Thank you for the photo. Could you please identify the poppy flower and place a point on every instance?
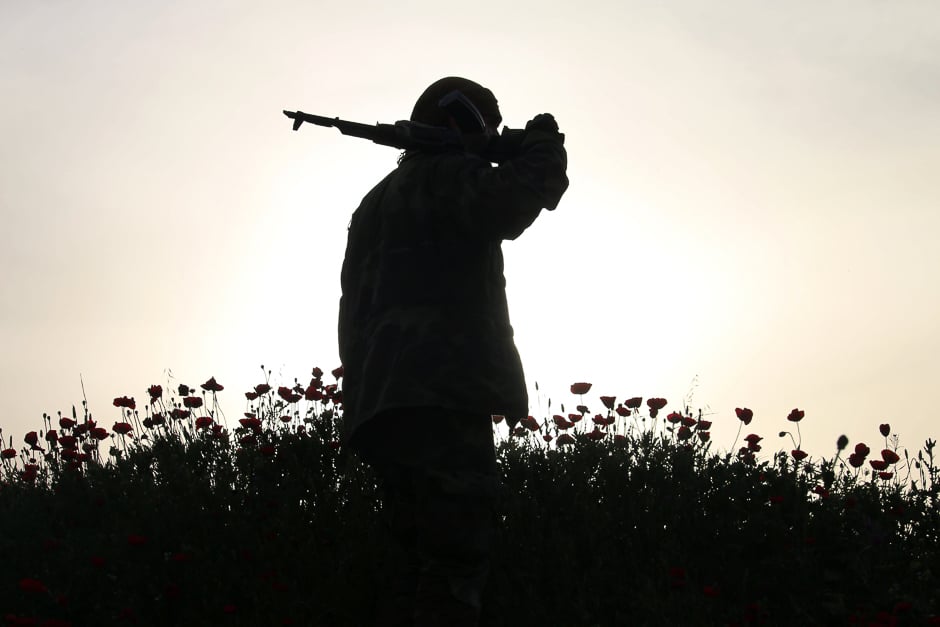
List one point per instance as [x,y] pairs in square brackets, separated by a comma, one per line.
[262,388]
[530,423]
[622,411]
[580,388]
[745,415]
[885,429]
[609,401]
[338,372]
[674,417]
[634,403]
[68,441]
[561,422]
[179,414]
[99,433]
[28,584]
[8,453]
[547,438]
[582,408]
[704,436]
[796,415]
[313,393]
[155,392]
[656,403]
[575,417]
[620,439]
[192,402]
[704,425]
[878,464]
[519,431]
[753,438]
[122,428]
[288,394]
[689,421]
[158,419]
[885,475]
[798,455]
[126,402]
[597,434]
[599,419]
[52,436]
[212,386]
[316,373]
[203,422]
[821,491]
[66,423]
[183,389]
[890,456]
[497,418]
[684,433]
[861,450]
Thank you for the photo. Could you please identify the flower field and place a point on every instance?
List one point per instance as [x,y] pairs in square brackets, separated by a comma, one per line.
[621,512]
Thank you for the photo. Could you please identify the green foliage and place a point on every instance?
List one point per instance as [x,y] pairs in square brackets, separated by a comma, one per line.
[636,522]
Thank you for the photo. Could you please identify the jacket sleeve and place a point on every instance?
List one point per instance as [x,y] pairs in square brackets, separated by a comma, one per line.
[500,202]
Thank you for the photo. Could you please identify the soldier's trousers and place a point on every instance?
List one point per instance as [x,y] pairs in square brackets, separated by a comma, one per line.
[439,482]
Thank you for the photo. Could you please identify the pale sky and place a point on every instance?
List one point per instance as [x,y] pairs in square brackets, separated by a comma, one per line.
[754,198]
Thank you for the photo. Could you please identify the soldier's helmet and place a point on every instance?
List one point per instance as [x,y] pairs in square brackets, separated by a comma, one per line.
[428,111]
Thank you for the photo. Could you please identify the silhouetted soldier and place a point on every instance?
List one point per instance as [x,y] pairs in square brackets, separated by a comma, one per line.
[428,350]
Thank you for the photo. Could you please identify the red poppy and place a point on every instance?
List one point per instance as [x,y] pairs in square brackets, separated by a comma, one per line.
[316,373]
[620,438]
[158,419]
[313,393]
[599,419]
[674,417]
[251,423]
[126,402]
[247,440]
[338,372]
[31,438]
[890,456]
[52,436]
[704,436]
[28,584]
[861,450]
[609,401]
[878,464]
[597,434]
[192,402]
[745,415]
[689,421]
[251,395]
[288,394]
[519,431]
[122,428]
[704,425]
[498,418]
[656,403]
[885,429]
[753,438]
[262,389]
[547,438]
[885,475]
[68,441]
[203,422]
[183,389]
[821,491]
[179,414]
[285,418]
[634,403]
[580,388]
[796,415]
[582,408]
[622,411]
[561,422]
[155,392]
[798,455]
[212,385]
[99,433]
[530,423]
[684,433]
[66,423]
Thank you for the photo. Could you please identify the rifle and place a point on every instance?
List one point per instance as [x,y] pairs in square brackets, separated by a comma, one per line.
[408,135]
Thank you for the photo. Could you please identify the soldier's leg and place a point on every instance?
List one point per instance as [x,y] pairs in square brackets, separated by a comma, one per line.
[455,521]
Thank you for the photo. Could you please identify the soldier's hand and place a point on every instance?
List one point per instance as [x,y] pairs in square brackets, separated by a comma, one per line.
[542,122]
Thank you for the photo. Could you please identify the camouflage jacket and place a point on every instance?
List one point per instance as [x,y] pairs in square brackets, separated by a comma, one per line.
[423,319]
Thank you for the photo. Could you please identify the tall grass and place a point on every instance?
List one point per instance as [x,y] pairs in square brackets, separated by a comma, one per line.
[618,517]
